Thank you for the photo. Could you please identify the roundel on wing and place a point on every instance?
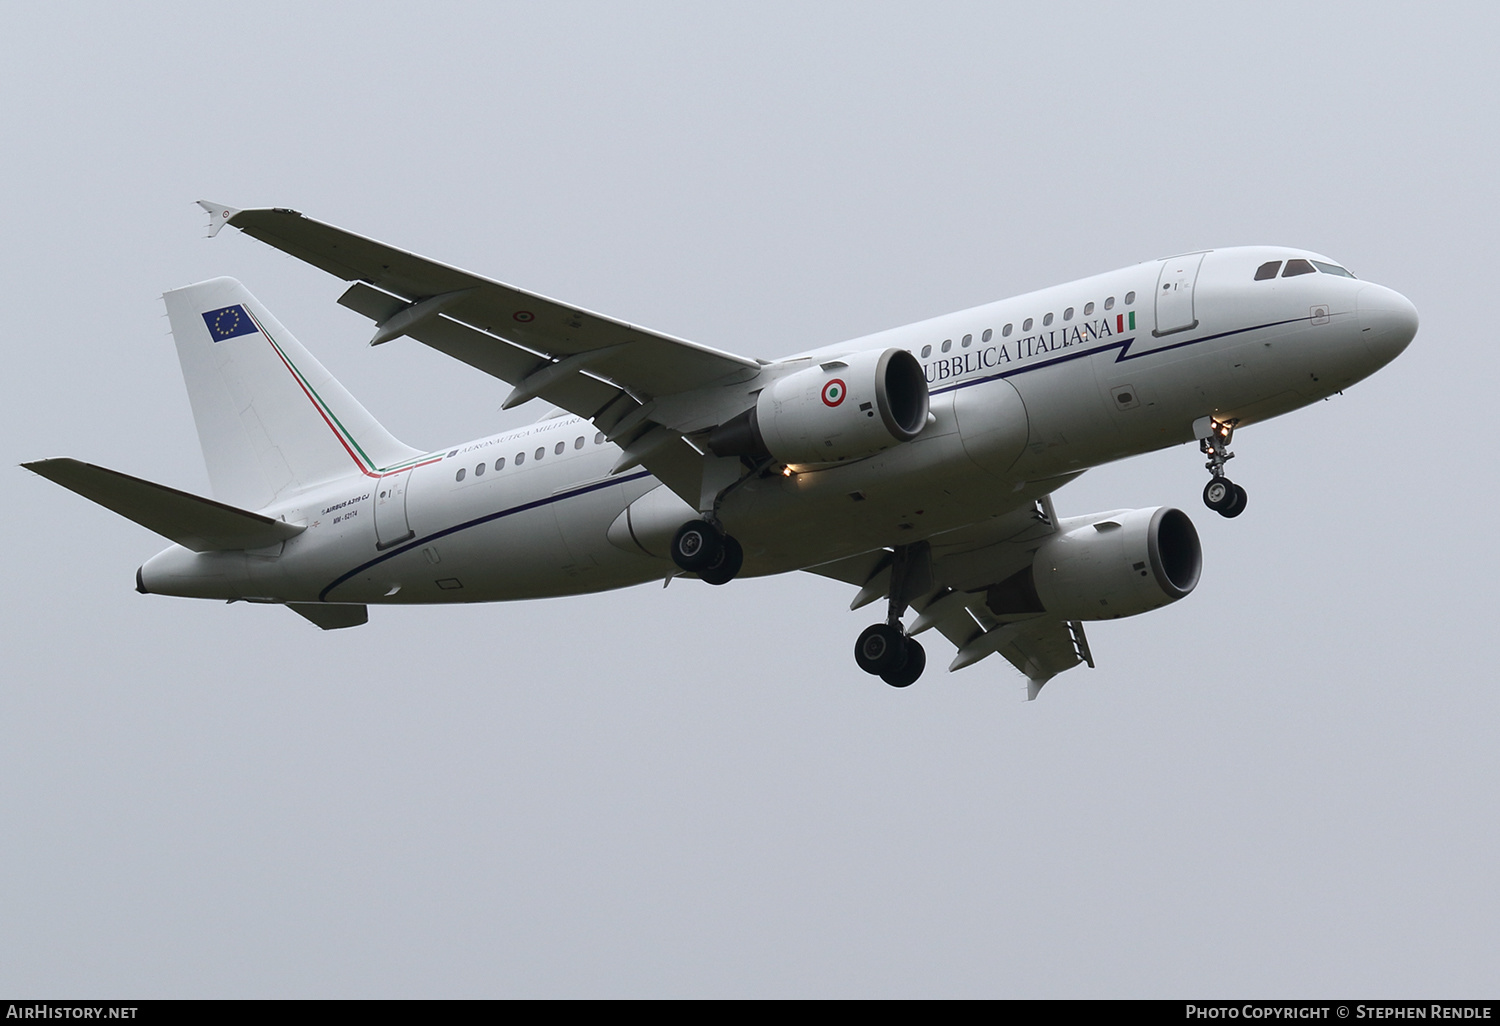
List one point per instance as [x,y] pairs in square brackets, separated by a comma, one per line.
[833,392]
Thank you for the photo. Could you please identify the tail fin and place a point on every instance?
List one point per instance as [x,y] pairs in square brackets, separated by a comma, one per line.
[272,421]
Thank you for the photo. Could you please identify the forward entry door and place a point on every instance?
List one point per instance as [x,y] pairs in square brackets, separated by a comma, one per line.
[1174,294]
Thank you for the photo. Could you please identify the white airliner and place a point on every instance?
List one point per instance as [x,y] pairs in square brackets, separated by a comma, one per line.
[915,464]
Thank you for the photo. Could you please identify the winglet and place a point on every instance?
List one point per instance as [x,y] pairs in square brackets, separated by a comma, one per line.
[218,215]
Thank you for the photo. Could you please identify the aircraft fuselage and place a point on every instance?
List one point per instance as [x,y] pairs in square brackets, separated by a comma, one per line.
[1025,393]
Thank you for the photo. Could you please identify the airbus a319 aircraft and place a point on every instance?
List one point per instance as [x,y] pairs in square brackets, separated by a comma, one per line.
[915,464]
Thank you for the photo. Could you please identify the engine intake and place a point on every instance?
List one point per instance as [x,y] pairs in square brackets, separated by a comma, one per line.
[837,410]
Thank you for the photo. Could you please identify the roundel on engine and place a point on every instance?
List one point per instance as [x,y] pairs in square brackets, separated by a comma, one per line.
[842,409]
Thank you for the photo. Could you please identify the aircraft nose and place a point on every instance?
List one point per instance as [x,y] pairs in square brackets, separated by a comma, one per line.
[1387,321]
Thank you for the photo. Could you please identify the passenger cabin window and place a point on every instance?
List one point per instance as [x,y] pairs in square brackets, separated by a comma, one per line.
[968,340]
[1296,267]
[1068,314]
[1026,324]
[1267,270]
[557,450]
[500,463]
[947,344]
[1129,298]
[479,470]
[520,458]
[1047,321]
[989,333]
[1005,331]
[1109,304]
[578,442]
[599,438]
[1331,269]
[926,352]
[460,475]
[1088,309]
[540,452]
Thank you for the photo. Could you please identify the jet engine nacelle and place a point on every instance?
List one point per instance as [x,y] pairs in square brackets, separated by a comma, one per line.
[1116,564]
[836,410]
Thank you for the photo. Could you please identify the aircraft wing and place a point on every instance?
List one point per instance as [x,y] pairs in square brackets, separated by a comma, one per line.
[644,389]
[964,565]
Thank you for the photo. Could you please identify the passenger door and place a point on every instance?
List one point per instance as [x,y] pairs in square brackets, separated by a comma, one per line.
[1174,294]
[391,525]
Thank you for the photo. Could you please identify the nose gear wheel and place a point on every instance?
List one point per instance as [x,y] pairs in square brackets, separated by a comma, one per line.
[1221,495]
[1224,497]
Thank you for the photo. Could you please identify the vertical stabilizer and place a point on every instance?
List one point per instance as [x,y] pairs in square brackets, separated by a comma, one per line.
[272,421]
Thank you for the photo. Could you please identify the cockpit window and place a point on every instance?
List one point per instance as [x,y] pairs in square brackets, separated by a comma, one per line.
[1267,270]
[1296,267]
[1332,269]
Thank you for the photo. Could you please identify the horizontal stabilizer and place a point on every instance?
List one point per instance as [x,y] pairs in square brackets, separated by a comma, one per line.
[331,617]
[189,520]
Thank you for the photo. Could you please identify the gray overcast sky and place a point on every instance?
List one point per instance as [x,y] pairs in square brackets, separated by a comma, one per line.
[1283,785]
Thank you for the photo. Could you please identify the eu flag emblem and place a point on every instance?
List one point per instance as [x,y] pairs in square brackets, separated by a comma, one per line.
[229,322]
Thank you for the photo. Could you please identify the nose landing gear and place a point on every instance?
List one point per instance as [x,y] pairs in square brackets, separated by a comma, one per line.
[884,649]
[1221,495]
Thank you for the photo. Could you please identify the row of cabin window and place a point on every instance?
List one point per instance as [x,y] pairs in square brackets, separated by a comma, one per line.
[989,333]
[1267,270]
[541,451]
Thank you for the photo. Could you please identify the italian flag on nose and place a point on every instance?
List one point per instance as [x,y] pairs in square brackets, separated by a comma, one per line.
[1120,322]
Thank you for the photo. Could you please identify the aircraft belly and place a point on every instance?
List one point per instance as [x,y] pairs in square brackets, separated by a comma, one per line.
[905,494]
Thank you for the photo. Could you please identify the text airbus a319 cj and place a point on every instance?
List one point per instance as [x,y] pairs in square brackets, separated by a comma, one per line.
[915,464]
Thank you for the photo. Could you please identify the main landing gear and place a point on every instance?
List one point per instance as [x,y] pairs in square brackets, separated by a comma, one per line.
[702,548]
[884,649]
[1221,495]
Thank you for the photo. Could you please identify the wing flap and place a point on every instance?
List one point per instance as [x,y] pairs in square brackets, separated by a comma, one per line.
[191,521]
[576,392]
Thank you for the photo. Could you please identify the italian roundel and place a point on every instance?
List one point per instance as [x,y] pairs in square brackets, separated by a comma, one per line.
[833,392]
